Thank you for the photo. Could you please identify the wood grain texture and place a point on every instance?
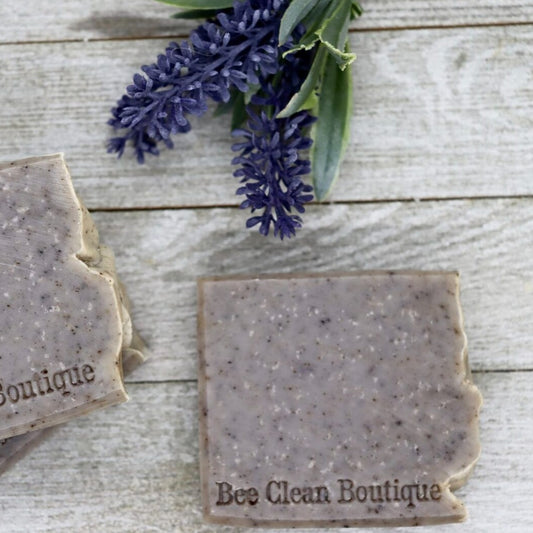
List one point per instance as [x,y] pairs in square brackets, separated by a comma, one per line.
[99,19]
[437,113]
[441,113]
[134,468]
[161,253]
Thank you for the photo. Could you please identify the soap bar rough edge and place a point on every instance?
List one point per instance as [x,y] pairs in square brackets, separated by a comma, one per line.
[451,484]
[99,260]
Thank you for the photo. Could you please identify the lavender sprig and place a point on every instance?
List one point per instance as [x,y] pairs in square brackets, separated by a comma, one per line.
[232,51]
[270,162]
[271,170]
[294,55]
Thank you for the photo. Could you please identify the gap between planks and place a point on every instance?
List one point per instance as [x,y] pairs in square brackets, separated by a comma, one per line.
[370,29]
[171,207]
[420,128]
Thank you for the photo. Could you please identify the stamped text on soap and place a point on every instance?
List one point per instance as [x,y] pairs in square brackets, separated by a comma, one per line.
[347,491]
[44,382]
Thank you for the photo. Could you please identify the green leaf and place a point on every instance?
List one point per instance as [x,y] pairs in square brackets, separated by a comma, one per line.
[334,33]
[357,10]
[199,4]
[296,11]
[335,29]
[313,22]
[235,105]
[302,99]
[239,111]
[252,90]
[332,129]
[343,59]
[307,42]
[195,14]
[311,102]
[224,108]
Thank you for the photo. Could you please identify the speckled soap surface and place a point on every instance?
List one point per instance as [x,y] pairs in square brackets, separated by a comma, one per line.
[63,319]
[334,400]
[15,448]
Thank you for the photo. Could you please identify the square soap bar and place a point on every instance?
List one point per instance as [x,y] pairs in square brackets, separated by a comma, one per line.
[64,323]
[334,400]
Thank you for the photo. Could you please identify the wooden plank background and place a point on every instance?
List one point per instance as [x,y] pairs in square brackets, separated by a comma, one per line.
[438,113]
[72,20]
[438,175]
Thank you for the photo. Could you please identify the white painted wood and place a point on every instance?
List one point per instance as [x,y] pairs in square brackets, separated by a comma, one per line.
[134,468]
[437,113]
[26,21]
[161,253]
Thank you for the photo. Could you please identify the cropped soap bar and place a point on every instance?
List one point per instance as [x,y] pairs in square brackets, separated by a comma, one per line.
[64,324]
[334,400]
[15,448]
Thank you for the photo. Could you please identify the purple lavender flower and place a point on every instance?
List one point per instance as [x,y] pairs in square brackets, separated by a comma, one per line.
[231,52]
[270,164]
[222,57]
[271,170]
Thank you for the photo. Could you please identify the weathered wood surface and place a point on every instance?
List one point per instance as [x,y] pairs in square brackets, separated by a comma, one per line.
[134,468]
[26,21]
[161,253]
[443,113]
[437,113]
